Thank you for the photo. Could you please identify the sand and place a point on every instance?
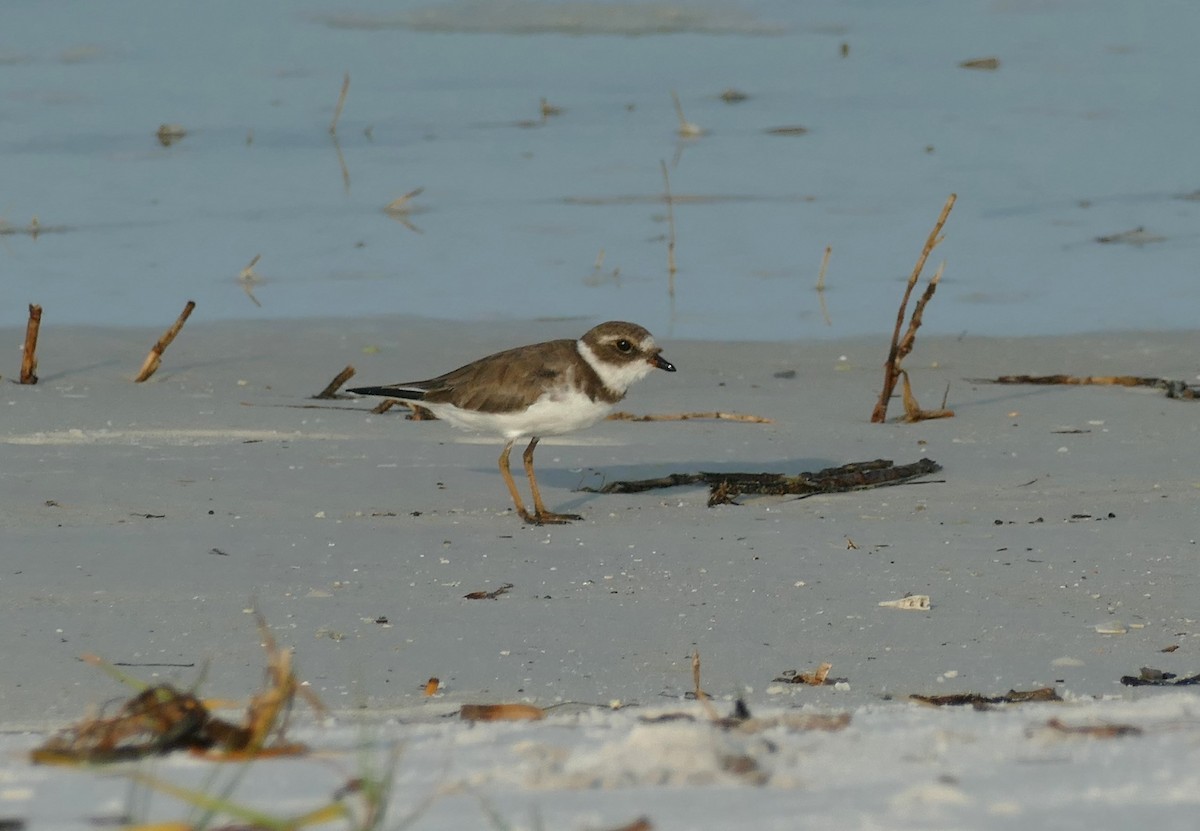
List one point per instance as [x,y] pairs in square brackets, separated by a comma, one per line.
[142,522]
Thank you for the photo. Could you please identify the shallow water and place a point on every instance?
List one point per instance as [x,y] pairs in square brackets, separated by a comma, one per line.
[1079,134]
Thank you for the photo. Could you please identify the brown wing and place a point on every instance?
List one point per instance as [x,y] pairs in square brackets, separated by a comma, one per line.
[504,382]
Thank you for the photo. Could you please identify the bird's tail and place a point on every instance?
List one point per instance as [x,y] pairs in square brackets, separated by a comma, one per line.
[405,393]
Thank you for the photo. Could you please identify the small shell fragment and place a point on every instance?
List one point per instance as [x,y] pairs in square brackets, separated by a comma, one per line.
[1112,627]
[920,602]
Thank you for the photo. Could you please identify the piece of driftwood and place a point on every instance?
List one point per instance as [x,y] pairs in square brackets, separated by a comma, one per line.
[1174,389]
[979,700]
[724,487]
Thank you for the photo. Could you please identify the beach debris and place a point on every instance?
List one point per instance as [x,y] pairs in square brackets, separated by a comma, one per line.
[1138,236]
[980,701]
[723,487]
[1173,389]
[915,602]
[168,134]
[161,719]
[989,63]
[745,418]
[792,130]
[1112,627]
[902,346]
[486,595]
[1091,731]
[248,279]
[154,359]
[549,110]
[29,350]
[1170,648]
[432,686]
[331,389]
[341,102]
[733,96]
[817,678]
[501,712]
[1151,677]
[687,130]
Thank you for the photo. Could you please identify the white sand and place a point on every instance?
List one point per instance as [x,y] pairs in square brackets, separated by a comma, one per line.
[139,523]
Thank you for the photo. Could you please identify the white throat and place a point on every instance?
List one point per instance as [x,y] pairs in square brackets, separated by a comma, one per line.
[617,377]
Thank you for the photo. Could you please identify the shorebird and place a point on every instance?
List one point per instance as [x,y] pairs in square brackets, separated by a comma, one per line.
[544,389]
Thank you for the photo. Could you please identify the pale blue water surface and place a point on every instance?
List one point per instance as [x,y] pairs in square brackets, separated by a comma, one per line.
[1087,129]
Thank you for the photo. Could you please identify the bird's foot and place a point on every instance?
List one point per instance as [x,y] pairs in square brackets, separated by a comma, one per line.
[549,518]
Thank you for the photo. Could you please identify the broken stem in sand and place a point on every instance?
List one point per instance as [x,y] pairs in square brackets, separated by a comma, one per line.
[670,232]
[902,346]
[154,359]
[29,353]
[333,386]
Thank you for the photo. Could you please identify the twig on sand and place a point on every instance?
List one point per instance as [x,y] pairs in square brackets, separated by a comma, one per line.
[29,352]
[621,415]
[331,389]
[1173,389]
[901,347]
[154,359]
[725,487]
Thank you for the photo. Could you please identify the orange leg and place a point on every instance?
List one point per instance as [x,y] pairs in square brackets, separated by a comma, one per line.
[541,516]
[512,486]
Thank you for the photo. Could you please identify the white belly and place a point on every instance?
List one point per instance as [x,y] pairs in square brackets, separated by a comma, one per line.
[551,415]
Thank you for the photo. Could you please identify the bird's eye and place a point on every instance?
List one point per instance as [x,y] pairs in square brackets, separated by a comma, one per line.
[624,345]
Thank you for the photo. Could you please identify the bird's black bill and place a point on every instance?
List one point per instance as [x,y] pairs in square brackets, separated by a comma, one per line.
[663,363]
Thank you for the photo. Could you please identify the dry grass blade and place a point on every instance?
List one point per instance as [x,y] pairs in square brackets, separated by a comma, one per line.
[29,351]
[821,285]
[341,102]
[670,232]
[248,279]
[902,346]
[154,359]
[687,129]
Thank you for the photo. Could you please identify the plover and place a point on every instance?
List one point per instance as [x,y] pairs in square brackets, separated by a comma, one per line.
[544,389]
